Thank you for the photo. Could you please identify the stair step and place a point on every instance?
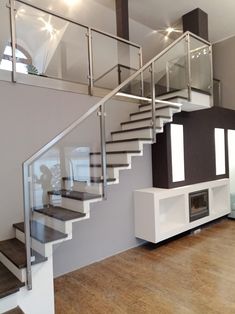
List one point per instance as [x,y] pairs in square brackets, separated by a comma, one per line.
[14,250]
[119,152]
[41,232]
[60,213]
[75,195]
[16,310]
[135,129]
[128,140]
[92,179]
[9,284]
[130,130]
[110,165]
[161,106]
[145,119]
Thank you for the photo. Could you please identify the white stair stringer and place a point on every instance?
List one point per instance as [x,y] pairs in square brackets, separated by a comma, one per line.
[72,204]
[59,225]
[8,303]
[44,249]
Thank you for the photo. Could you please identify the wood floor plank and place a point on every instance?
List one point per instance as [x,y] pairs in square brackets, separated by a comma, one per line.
[191,275]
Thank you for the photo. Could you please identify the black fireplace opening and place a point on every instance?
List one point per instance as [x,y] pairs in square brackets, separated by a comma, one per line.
[198,205]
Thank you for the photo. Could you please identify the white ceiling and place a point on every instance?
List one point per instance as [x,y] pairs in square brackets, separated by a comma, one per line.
[155,14]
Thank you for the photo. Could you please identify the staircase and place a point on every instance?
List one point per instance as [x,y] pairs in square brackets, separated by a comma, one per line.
[52,223]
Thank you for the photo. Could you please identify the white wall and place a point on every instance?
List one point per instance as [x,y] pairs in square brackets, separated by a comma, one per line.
[30,117]
[224,70]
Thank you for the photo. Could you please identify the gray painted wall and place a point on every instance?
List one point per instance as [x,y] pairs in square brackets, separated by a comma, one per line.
[224,70]
[111,226]
[30,117]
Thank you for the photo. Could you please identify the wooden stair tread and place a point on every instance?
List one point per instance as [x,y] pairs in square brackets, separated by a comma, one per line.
[146,111]
[135,129]
[16,310]
[109,165]
[128,140]
[92,179]
[41,232]
[60,213]
[145,119]
[79,196]
[161,106]
[118,152]
[14,250]
[9,284]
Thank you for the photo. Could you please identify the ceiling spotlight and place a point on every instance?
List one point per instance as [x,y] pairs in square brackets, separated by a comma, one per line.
[170,30]
[48,27]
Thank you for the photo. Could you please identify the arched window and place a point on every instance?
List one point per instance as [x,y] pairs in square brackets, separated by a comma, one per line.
[23,59]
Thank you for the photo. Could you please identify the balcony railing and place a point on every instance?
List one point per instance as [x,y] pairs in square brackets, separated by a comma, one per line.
[39,44]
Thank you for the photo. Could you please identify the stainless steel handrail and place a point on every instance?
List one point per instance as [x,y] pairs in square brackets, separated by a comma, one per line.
[98,106]
[106,98]
[79,24]
[111,69]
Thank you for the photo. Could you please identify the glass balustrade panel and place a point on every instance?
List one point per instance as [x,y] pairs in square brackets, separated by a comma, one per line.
[51,47]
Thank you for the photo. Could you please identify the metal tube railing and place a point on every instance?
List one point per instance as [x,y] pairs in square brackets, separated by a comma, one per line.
[189,67]
[102,115]
[98,106]
[77,23]
[152,70]
[13,39]
[102,101]
[90,62]
[119,66]
[90,30]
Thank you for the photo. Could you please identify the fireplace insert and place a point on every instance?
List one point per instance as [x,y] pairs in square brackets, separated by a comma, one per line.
[198,205]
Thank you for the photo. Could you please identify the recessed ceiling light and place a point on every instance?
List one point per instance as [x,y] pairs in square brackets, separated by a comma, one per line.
[170,30]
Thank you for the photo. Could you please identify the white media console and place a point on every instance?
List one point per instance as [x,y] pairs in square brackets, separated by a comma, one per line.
[164,213]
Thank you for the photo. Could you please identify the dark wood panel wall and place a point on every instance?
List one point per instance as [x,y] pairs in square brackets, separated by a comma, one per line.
[199,147]
[122,18]
[196,21]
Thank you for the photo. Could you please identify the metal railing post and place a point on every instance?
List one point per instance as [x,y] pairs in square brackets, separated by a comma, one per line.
[189,74]
[167,77]
[90,62]
[211,76]
[153,96]
[27,223]
[102,115]
[13,39]
[142,74]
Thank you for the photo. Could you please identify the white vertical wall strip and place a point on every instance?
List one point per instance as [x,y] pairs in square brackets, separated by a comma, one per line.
[177,152]
[219,151]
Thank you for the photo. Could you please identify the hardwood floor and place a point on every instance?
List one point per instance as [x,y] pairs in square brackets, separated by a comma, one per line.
[193,274]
